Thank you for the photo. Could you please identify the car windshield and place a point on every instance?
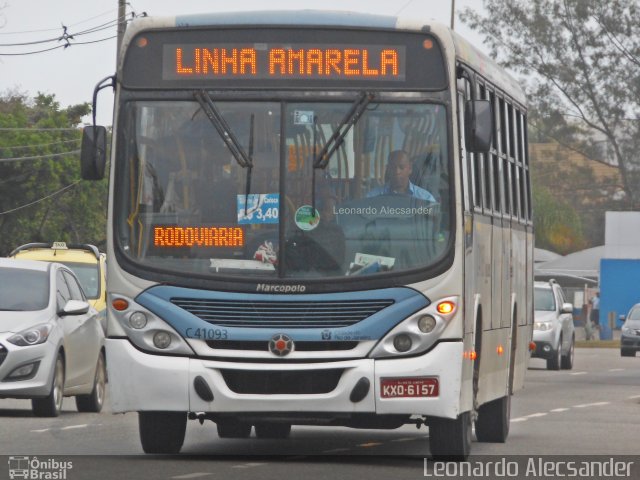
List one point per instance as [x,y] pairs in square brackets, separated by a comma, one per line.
[543,300]
[634,314]
[244,188]
[23,290]
[89,277]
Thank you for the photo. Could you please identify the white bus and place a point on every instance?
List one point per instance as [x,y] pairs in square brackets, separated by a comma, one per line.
[315,218]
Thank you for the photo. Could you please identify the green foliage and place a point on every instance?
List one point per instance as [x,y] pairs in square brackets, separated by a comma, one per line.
[30,208]
[558,226]
[580,63]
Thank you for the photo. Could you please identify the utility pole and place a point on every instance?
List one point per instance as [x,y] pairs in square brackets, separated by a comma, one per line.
[122,26]
[453,12]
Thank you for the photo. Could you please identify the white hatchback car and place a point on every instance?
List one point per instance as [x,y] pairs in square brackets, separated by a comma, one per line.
[51,341]
[553,329]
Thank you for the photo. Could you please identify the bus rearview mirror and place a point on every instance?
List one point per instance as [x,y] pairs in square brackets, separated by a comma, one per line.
[478,126]
[93,153]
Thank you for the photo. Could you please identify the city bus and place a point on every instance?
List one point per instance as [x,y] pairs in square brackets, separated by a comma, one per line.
[315,218]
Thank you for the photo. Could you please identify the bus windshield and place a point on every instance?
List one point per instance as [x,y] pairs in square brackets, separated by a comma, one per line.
[283,189]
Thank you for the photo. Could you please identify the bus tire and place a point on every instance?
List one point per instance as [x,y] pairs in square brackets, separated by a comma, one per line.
[450,439]
[492,424]
[233,428]
[94,401]
[273,430]
[162,432]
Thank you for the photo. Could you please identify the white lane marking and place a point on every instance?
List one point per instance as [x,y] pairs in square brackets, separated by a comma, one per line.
[521,419]
[534,415]
[406,439]
[597,404]
[578,373]
[193,475]
[560,410]
[336,450]
[40,431]
[616,369]
[248,465]
[71,427]
[633,397]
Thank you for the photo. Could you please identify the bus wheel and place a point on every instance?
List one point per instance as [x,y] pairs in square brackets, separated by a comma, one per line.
[492,424]
[162,432]
[273,430]
[233,428]
[450,439]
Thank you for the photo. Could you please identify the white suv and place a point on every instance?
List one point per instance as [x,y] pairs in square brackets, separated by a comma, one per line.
[553,330]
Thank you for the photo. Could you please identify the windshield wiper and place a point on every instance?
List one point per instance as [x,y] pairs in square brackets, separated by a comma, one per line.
[218,121]
[337,138]
[215,117]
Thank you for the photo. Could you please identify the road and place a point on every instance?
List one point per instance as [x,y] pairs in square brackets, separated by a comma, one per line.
[590,410]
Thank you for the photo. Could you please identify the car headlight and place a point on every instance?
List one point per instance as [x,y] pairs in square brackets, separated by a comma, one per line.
[145,329]
[542,326]
[32,336]
[419,332]
[628,331]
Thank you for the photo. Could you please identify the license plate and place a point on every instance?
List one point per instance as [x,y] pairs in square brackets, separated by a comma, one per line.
[409,387]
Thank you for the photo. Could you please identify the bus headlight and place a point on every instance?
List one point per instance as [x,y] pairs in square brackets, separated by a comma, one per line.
[162,339]
[417,333]
[402,342]
[147,331]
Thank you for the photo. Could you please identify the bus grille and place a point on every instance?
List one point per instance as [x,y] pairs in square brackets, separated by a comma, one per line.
[274,382]
[301,346]
[289,314]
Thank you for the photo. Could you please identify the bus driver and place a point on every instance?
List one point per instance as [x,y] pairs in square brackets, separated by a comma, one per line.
[397,179]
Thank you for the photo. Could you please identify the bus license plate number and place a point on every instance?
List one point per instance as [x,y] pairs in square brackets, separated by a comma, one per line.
[409,387]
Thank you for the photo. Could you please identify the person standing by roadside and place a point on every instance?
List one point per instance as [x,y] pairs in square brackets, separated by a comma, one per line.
[595,310]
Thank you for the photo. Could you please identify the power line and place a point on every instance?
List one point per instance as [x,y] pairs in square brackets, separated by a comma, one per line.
[54,29]
[54,48]
[37,129]
[41,199]
[39,157]
[38,145]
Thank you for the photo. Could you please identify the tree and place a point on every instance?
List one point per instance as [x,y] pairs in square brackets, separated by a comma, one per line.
[42,197]
[579,61]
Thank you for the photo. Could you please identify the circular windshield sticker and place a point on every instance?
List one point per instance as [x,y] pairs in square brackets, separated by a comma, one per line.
[304,218]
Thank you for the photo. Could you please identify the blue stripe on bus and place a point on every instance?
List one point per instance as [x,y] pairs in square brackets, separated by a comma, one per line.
[406,301]
[282,18]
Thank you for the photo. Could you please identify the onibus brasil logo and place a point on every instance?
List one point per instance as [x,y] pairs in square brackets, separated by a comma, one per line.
[35,469]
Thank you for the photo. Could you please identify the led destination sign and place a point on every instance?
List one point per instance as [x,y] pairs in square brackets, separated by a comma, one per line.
[280,58]
[299,61]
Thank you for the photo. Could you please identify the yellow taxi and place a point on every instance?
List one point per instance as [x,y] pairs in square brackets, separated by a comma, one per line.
[84,260]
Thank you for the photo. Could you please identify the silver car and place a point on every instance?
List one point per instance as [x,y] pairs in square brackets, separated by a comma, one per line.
[51,341]
[553,329]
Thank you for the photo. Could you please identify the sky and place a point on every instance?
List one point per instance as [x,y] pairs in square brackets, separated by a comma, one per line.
[72,73]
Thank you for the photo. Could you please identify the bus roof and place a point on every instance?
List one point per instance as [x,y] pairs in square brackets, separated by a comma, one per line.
[451,41]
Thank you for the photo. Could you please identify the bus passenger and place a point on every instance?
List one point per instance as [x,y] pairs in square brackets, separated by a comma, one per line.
[397,179]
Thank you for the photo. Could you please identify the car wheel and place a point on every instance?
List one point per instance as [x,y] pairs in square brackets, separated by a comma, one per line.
[95,400]
[51,405]
[567,360]
[553,363]
[162,432]
[233,428]
[492,424]
[273,430]
[450,439]
[624,352]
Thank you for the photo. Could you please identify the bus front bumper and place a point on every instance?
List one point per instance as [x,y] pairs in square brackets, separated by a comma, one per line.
[143,382]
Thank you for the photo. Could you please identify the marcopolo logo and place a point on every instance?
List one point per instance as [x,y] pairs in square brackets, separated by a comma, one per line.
[263,287]
[36,469]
